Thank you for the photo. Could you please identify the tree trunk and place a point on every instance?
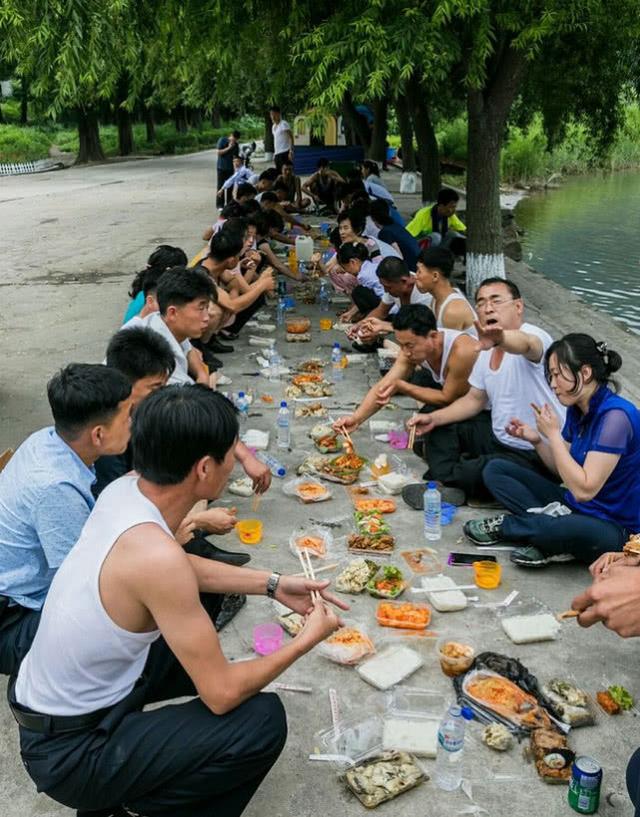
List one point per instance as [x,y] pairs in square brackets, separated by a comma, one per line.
[2,119]
[216,119]
[24,101]
[355,122]
[268,134]
[487,113]
[378,147]
[89,137]
[406,134]
[150,124]
[179,114]
[428,153]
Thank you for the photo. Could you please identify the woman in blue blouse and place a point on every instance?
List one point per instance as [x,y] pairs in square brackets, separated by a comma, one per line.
[596,456]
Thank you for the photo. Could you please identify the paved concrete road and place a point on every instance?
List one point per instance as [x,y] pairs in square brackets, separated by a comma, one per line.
[70,244]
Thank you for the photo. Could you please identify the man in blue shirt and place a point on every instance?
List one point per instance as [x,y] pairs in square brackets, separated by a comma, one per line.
[227,148]
[45,494]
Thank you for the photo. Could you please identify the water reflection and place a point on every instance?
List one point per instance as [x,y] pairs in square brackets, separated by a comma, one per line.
[585,237]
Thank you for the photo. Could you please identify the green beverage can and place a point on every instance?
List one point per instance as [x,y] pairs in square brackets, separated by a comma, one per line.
[584,788]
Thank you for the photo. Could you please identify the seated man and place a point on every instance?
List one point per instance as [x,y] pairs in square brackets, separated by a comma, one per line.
[433,277]
[439,224]
[45,494]
[240,175]
[392,233]
[448,356]
[507,377]
[294,187]
[184,296]
[128,622]
[162,258]
[272,200]
[245,193]
[399,290]
[366,290]
[322,185]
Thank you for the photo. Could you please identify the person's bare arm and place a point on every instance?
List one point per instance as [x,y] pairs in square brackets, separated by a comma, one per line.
[514,341]
[307,187]
[273,260]
[206,235]
[458,315]
[266,283]
[401,369]
[465,407]
[461,361]
[169,589]
[298,193]
[196,367]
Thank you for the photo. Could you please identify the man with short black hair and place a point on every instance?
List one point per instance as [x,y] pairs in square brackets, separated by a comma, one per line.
[439,224]
[433,277]
[128,623]
[227,149]
[45,494]
[282,138]
[240,175]
[506,379]
[322,185]
[294,187]
[184,296]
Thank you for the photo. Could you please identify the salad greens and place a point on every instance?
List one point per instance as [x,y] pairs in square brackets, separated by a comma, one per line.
[621,697]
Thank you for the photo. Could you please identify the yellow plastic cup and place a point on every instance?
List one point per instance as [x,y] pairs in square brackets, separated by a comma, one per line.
[487,574]
[249,531]
[326,324]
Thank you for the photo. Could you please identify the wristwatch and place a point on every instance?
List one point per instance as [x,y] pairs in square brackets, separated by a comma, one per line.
[272,584]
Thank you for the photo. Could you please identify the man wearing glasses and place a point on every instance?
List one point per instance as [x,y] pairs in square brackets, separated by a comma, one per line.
[507,377]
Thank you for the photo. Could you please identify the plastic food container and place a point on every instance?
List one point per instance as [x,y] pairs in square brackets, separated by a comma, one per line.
[529,620]
[422,561]
[390,667]
[487,574]
[298,326]
[342,648]
[307,489]
[267,638]
[249,531]
[403,615]
[411,721]
[319,541]
[461,658]
[351,740]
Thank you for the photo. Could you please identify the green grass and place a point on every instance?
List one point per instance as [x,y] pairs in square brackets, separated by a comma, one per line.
[19,143]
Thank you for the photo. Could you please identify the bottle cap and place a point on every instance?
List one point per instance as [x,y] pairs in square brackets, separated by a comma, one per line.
[432,486]
[240,394]
[467,713]
[336,345]
[283,404]
[281,472]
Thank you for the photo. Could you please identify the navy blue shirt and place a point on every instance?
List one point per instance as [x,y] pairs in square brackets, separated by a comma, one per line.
[612,425]
[225,162]
[406,242]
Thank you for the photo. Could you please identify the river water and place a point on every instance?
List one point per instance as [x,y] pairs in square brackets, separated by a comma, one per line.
[586,236]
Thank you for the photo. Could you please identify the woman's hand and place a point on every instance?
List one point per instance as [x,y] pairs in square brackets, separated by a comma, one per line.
[522,431]
[547,420]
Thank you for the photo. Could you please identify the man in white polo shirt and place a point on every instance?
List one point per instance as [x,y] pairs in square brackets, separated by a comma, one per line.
[507,377]
[282,138]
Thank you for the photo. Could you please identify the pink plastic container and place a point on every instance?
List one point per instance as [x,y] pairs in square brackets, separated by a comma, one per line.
[267,638]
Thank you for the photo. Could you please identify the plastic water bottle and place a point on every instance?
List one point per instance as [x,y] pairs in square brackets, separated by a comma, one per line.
[283,423]
[275,362]
[280,310]
[336,363]
[274,465]
[324,297]
[432,513]
[450,752]
[242,404]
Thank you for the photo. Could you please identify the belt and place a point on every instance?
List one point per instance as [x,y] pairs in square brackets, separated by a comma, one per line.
[55,724]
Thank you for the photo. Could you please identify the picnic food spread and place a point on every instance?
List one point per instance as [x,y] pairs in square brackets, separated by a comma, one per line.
[374,544]
[371,523]
[568,703]
[403,615]
[315,545]
[608,702]
[354,577]
[377,780]
[388,584]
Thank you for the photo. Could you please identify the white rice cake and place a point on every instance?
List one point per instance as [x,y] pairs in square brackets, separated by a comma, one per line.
[528,629]
[390,667]
[418,736]
[445,602]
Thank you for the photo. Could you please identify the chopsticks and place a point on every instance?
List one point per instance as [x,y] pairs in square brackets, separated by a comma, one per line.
[567,614]
[307,569]
[412,436]
[256,502]
[320,569]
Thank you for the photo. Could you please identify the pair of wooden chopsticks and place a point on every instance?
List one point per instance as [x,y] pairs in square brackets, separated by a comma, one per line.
[256,502]
[347,437]
[307,569]
[412,436]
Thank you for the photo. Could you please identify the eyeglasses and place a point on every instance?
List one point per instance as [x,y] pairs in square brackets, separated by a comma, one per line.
[484,302]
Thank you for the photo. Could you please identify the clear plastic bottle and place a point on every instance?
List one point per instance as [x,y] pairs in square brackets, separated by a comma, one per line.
[274,465]
[336,363]
[275,363]
[242,404]
[432,513]
[280,310]
[283,423]
[324,297]
[449,757]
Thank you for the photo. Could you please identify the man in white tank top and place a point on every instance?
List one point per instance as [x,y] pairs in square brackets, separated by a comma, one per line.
[508,376]
[433,277]
[448,356]
[126,624]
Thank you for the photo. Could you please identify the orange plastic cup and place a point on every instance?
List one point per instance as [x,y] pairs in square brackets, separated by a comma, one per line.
[487,574]
[249,531]
[326,324]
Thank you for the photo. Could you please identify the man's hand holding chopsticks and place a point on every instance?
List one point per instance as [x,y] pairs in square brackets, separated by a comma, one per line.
[295,593]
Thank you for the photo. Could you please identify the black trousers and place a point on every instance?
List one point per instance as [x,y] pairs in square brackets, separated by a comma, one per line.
[179,759]
[457,454]
[224,197]
[365,299]
[246,315]
[633,780]
[279,159]
[18,627]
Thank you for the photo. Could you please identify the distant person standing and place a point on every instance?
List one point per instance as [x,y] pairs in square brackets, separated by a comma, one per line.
[227,149]
[282,138]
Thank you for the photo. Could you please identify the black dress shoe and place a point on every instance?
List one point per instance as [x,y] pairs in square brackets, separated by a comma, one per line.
[229,335]
[212,362]
[214,345]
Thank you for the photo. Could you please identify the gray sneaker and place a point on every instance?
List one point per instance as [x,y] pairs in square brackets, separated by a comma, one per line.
[532,557]
[485,532]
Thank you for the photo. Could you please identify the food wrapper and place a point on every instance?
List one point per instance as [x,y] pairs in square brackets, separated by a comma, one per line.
[349,645]
[315,539]
[307,489]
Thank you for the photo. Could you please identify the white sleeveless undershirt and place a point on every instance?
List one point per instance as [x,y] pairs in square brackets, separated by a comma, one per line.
[456,295]
[450,337]
[81,660]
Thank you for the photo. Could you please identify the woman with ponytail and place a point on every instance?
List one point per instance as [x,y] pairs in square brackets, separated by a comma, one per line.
[596,456]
